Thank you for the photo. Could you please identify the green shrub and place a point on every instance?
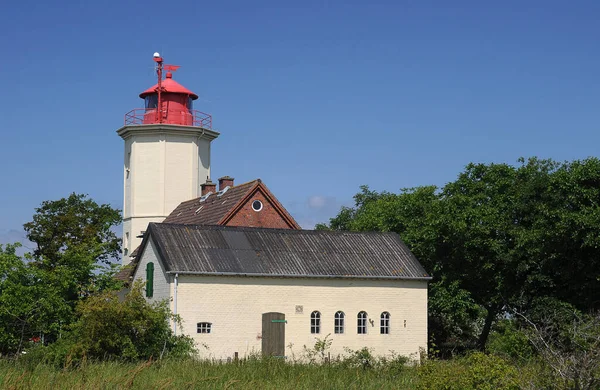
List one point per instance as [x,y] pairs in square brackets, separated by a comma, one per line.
[442,375]
[108,328]
[489,372]
[359,358]
[476,371]
[395,365]
[508,341]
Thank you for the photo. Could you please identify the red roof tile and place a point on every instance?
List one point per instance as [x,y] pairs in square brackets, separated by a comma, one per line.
[211,210]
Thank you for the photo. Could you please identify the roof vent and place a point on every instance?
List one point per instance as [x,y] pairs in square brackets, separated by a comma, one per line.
[204,197]
[224,190]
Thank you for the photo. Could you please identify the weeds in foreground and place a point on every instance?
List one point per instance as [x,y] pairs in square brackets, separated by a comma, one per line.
[357,369]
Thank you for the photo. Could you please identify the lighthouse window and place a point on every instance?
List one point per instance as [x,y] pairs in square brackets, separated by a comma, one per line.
[151,101]
[190,105]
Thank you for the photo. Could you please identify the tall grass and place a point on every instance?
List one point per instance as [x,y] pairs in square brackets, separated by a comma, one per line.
[191,374]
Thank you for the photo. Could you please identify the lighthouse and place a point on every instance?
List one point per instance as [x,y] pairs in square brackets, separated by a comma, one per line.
[166,156]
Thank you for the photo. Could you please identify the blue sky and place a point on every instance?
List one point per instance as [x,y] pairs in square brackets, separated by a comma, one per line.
[314,97]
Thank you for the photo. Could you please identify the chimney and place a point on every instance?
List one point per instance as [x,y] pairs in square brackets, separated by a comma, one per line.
[207,187]
[225,181]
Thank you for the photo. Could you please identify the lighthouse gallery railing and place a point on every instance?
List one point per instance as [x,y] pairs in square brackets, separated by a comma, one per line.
[142,116]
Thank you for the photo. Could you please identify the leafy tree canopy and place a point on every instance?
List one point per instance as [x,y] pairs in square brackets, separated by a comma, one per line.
[74,224]
[497,236]
[39,293]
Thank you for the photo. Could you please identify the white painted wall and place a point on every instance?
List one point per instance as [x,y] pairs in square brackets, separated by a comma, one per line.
[162,289]
[164,165]
[234,306]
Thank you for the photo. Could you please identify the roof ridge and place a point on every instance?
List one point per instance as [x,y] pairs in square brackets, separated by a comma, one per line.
[248,182]
[235,186]
[310,231]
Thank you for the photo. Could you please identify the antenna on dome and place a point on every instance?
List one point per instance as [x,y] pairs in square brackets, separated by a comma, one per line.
[159,69]
[159,73]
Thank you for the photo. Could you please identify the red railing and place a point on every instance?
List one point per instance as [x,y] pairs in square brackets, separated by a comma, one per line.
[142,116]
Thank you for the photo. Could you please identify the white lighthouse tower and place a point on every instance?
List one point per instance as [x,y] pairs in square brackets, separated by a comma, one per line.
[167,154]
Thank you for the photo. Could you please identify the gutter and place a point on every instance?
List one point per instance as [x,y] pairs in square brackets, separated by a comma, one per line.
[424,278]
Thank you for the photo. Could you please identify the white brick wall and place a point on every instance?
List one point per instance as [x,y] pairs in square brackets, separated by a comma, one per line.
[161,280]
[234,306]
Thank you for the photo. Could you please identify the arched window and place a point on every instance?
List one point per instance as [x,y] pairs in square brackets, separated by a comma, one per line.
[338,324]
[315,322]
[385,323]
[149,280]
[362,322]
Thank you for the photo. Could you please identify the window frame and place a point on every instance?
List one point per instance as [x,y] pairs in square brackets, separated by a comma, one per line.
[338,322]
[361,322]
[257,209]
[151,102]
[204,327]
[384,323]
[315,322]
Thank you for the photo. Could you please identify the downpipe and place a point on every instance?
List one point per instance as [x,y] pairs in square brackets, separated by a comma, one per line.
[175,303]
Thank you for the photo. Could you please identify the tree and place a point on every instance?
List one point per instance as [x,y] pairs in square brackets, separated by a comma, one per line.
[74,223]
[503,234]
[30,304]
[74,237]
[39,293]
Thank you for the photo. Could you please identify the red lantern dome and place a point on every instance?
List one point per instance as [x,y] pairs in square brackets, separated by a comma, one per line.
[168,102]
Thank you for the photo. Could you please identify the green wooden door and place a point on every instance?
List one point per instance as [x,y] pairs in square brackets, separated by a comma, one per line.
[273,334]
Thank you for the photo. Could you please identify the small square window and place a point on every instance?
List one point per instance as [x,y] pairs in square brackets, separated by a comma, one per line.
[203,327]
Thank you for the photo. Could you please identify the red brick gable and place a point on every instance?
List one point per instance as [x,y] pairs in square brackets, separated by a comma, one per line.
[271,214]
[234,208]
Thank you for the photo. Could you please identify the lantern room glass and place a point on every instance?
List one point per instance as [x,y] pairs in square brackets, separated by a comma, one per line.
[151,102]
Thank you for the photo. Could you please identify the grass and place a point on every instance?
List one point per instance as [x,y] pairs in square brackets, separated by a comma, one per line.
[190,374]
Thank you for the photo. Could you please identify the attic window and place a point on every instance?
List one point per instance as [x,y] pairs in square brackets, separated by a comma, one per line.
[224,190]
[257,205]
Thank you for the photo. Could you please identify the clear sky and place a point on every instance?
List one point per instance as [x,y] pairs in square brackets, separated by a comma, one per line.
[314,97]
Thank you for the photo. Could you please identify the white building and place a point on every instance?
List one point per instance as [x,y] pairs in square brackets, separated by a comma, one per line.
[254,290]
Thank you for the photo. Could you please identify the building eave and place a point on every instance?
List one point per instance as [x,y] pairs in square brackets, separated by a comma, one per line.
[260,275]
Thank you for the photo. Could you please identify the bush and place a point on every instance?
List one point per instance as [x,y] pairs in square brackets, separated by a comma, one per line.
[476,371]
[108,328]
[509,341]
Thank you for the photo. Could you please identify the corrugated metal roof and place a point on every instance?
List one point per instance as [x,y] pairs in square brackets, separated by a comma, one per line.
[201,249]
